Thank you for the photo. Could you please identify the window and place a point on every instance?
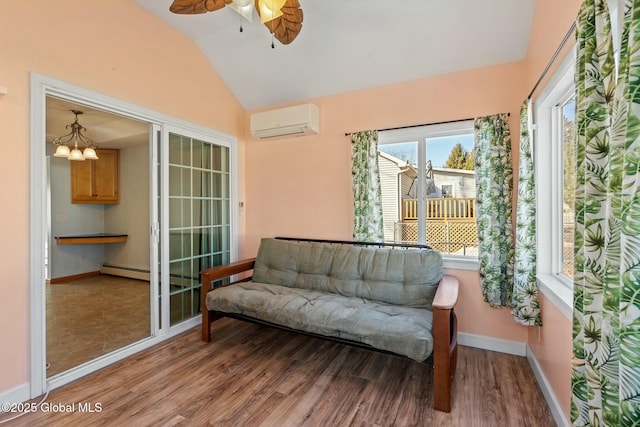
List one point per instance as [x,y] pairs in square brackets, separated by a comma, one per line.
[567,128]
[428,187]
[447,191]
[554,148]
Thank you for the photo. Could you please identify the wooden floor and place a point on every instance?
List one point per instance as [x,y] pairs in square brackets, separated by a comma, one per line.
[253,375]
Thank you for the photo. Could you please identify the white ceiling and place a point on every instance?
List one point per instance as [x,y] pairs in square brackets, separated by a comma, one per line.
[355,44]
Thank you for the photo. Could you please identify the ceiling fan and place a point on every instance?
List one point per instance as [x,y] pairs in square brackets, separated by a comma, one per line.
[283,18]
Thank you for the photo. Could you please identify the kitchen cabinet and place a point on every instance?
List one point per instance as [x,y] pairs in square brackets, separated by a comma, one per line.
[96,181]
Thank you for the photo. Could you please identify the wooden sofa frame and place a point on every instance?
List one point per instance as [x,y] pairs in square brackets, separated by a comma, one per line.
[445,344]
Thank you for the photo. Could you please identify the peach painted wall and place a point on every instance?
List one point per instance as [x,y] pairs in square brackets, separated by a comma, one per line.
[302,186]
[113,47]
[551,345]
[476,316]
[552,20]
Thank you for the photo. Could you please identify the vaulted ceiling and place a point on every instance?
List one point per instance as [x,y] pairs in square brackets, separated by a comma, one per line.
[343,46]
[355,44]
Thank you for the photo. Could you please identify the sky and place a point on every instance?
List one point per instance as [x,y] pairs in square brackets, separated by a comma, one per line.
[438,149]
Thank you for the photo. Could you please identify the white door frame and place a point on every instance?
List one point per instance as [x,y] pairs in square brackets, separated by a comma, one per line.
[164,179]
[41,87]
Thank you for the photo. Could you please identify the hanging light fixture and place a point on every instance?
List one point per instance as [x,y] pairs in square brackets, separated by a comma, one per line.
[270,9]
[244,8]
[283,18]
[77,139]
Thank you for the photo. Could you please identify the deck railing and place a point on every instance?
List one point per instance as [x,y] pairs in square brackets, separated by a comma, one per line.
[441,208]
[451,224]
[454,236]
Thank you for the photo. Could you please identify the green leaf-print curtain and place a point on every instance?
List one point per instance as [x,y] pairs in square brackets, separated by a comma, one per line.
[367,197]
[606,321]
[525,304]
[494,184]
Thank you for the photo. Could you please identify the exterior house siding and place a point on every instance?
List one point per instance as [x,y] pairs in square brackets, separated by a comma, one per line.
[389,171]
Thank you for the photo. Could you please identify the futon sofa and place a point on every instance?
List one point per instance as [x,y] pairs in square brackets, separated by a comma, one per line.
[395,300]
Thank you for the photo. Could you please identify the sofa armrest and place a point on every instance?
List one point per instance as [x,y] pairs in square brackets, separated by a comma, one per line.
[447,293]
[217,273]
[445,341]
[227,270]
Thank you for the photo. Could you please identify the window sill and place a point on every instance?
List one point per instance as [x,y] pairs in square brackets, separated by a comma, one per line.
[452,262]
[558,293]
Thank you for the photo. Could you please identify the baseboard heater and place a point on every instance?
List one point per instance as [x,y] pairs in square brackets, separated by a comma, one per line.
[131,273]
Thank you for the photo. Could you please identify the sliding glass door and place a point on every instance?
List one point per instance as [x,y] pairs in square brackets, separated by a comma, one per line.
[178,207]
[199,217]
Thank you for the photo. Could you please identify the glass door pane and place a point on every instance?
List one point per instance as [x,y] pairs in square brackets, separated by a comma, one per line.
[199,219]
[117,275]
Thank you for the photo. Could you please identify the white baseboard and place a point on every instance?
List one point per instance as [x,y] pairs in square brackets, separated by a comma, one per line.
[125,272]
[554,406]
[494,344]
[15,395]
[520,349]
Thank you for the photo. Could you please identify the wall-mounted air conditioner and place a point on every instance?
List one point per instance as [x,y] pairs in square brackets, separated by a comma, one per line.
[299,120]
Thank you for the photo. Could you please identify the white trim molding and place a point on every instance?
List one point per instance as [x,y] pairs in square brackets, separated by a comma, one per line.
[516,348]
[520,349]
[460,263]
[560,295]
[15,395]
[552,401]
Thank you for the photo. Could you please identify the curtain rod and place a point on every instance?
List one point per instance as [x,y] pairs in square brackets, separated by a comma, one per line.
[553,59]
[423,124]
[415,126]
[535,86]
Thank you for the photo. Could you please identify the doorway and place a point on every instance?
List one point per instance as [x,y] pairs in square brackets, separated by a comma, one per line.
[176,247]
[83,265]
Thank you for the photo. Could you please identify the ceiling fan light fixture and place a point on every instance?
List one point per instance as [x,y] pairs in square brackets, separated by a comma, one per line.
[283,18]
[245,10]
[270,9]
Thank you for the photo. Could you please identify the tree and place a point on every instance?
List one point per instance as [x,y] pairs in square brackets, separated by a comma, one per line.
[459,158]
[469,161]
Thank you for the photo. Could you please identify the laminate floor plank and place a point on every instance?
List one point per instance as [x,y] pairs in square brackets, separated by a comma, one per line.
[417,399]
[254,375]
[382,396]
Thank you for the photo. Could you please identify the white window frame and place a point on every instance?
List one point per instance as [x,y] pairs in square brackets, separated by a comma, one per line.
[553,285]
[420,134]
[549,170]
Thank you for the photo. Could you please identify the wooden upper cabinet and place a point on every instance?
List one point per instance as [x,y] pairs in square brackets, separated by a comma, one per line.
[96,181]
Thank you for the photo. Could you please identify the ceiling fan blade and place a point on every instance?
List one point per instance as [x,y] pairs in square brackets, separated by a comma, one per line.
[191,7]
[286,27]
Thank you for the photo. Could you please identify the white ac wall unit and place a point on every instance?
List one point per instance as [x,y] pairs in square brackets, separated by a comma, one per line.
[299,120]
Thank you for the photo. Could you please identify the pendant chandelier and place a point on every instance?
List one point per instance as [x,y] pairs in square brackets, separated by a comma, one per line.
[83,147]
